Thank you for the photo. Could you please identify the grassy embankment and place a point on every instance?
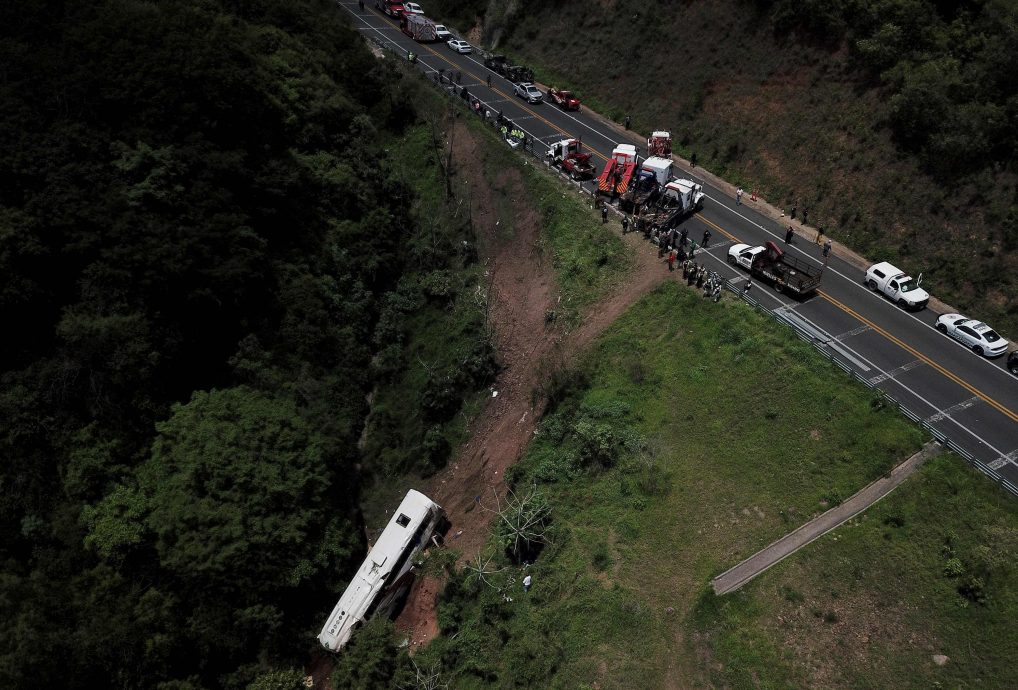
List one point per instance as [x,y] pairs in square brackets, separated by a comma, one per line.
[440,339]
[690,436]
[792,116]
[928,571]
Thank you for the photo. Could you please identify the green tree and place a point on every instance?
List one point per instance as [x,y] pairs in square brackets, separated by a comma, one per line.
[290,679]
[369,662]
[239,494]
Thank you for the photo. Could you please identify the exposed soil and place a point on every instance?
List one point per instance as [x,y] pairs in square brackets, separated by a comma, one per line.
[522,290]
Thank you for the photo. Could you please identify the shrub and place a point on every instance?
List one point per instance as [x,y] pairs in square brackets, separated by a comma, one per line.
[973,589]
[954,568]
[599,444]
[601,558]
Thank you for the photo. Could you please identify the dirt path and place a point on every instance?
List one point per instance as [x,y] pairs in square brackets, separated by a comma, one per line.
[522,290]
[735,578]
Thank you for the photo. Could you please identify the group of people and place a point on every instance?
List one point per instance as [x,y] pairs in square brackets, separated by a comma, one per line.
[671,242]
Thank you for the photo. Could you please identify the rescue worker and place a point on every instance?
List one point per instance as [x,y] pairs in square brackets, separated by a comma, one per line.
[411,57]
[604,214]
[625,224]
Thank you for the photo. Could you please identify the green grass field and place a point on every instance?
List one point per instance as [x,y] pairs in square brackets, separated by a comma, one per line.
[928,571]
[692,435]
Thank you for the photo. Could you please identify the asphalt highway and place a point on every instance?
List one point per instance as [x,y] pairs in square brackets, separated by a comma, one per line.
[968,398]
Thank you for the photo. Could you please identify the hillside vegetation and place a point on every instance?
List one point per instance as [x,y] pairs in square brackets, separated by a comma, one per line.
[893,121]
[208,260]
[658,477]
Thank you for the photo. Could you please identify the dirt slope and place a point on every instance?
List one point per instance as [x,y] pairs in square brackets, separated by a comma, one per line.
[522,290]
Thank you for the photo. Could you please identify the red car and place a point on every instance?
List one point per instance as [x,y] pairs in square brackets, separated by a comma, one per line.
[563,99]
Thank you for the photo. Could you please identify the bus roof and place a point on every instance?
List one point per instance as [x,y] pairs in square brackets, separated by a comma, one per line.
[370,577]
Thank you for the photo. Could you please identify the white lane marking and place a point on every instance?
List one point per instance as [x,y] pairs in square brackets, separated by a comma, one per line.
[855,331]
[940,412]
[909,366]
[963,405]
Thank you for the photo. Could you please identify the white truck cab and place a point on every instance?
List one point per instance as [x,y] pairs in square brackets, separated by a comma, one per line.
[743,255]
[660,168]
[897,285]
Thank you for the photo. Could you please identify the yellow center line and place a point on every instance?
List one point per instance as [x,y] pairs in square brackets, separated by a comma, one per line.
[718,228]
[915,353]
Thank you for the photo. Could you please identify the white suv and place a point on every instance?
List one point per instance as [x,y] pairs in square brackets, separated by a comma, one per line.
[529,92]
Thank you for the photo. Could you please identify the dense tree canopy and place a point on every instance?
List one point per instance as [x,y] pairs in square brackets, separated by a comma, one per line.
[949,65]
[191,203]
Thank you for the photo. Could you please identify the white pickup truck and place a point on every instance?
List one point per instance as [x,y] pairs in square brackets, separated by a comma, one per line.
[897,285]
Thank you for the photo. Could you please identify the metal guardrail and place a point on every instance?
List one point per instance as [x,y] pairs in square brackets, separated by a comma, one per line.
[447,83]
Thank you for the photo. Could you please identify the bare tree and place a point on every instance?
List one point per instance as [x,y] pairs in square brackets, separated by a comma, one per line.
[425,680]
[483,570]
[522,519]
[443,149]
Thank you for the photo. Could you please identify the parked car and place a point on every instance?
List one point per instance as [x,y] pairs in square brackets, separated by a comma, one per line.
[1012,362]
[973,334]
[412,8]
[529,92]
[443,33]
[460,46]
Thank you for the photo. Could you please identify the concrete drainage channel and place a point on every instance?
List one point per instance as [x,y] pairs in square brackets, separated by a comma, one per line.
[527,145]
[736,577]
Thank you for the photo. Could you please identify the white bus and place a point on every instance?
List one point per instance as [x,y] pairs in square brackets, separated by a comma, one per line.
[387,573]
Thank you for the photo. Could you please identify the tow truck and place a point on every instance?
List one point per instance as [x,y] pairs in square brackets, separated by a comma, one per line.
[563,99]
[660,144]
[773,265]
[618,171]
[574,162]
